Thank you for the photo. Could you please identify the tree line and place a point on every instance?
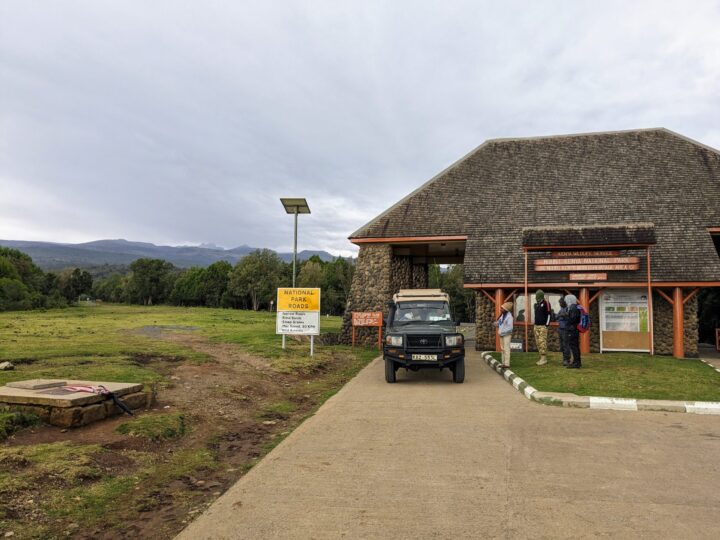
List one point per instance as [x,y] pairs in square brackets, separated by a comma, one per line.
[23,285]
[251,284]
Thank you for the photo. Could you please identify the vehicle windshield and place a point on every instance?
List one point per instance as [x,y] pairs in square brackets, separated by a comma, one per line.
[421,311]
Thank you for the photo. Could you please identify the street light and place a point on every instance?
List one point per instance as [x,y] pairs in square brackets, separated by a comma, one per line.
[295,206]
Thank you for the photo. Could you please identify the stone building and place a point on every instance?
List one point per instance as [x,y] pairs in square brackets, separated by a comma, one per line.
[627,221]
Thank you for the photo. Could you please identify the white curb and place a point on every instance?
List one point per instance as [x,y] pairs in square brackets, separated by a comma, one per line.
[615,404]
[599,402]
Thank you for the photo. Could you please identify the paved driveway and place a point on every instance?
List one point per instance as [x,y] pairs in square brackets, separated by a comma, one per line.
[425,458]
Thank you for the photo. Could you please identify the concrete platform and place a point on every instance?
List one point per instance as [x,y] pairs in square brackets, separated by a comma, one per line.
[56,396]
[55,405]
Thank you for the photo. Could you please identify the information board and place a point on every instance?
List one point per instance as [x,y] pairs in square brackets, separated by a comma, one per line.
[298,311]
[624,323]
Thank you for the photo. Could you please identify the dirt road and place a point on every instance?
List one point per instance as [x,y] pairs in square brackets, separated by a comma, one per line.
[426,458]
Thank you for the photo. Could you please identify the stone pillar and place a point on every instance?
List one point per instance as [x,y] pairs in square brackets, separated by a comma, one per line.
[691,327]
[484,317]
[662,325]
[372,287]
[401,273]
[419,276]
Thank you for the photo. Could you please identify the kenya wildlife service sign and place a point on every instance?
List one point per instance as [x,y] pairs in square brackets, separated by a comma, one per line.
[298,311]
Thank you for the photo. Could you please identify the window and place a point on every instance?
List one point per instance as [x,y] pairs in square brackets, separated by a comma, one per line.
[519,307]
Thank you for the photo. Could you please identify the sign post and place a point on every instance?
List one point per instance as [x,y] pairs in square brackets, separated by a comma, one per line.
[367,318]
[298,313]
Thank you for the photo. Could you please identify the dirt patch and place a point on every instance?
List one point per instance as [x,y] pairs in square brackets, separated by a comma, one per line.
[236,407]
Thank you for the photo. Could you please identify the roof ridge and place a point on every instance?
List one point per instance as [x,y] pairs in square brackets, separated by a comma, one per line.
[583,134]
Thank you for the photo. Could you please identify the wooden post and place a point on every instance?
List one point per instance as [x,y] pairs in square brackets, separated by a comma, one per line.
[585,337]
[527,304]
[380,327]
[651,330]
[678,323]
[498,302]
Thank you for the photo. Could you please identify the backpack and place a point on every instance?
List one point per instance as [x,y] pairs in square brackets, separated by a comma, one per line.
[584,324]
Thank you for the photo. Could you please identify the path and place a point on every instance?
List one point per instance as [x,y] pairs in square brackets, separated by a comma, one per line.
[426,458]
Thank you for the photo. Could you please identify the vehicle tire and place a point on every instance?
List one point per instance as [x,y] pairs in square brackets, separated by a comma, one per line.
[389,371]
[459,371]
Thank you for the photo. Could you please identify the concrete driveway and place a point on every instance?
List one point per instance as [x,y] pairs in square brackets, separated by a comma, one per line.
[425,458]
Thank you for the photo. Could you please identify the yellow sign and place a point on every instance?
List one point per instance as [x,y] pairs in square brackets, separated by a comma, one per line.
[298,299]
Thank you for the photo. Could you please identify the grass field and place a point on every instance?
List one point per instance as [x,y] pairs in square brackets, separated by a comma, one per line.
[99,342]
[227,394]
[627,375]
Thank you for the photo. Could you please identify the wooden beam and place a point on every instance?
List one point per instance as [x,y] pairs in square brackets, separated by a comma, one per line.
[408,239]
[665,296]
[492,299]
[595,297]
[689,296]
[607,284]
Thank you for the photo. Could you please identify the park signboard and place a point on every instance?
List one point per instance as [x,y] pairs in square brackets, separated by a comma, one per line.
[298,311]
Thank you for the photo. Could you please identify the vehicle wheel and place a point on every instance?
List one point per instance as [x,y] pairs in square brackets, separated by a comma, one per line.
[459,371]
[389,370]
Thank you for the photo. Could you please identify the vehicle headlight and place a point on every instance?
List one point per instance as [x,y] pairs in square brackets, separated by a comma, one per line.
[394,341]
[454,341]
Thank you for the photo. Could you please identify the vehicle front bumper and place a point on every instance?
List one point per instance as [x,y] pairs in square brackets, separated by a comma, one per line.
[404,358]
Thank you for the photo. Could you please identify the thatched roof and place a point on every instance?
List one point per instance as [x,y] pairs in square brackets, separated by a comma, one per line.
[637,234]
[616,180]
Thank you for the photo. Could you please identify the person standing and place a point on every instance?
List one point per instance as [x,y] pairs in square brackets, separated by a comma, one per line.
[562,319]
[504,325]
[542,321]
[573,334]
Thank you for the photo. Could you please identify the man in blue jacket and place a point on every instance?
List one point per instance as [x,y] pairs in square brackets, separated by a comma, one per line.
[562,319]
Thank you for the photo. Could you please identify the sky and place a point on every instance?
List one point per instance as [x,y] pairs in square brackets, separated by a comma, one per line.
[184,122]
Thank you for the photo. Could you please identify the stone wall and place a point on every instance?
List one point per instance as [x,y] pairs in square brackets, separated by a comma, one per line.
[663,326]
[419,276]
[484,317]
[372,287]
[691,327]
[378,275]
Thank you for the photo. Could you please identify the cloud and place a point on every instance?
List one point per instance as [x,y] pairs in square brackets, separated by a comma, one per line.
[175,123]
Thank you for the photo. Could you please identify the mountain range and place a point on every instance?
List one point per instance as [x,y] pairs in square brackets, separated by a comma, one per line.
[54,256]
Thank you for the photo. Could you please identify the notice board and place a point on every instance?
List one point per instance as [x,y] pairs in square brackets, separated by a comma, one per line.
[624,320]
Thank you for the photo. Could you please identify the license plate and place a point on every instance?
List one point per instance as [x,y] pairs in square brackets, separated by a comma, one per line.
[424,357]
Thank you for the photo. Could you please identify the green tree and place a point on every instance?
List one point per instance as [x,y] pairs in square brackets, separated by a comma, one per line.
[73,283]
[311,275]
[30,275]
[189,289]
[151,281]
[110,288]
[14,295]
[256,277]
[217,276]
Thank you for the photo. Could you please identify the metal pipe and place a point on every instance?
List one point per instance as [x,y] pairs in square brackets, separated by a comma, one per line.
[295,247]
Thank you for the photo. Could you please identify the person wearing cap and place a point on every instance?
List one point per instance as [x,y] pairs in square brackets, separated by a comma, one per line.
[542,321]
[504,325]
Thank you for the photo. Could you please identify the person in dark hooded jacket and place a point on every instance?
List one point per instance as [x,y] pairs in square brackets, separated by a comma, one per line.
[562,320]
[573,334]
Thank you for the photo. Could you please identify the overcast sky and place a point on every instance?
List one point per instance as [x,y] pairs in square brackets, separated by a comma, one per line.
[184,122]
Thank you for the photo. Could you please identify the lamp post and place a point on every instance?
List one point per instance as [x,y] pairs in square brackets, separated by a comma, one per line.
[296,206]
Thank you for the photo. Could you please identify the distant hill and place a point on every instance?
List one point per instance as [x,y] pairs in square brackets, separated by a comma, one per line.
[53,256]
